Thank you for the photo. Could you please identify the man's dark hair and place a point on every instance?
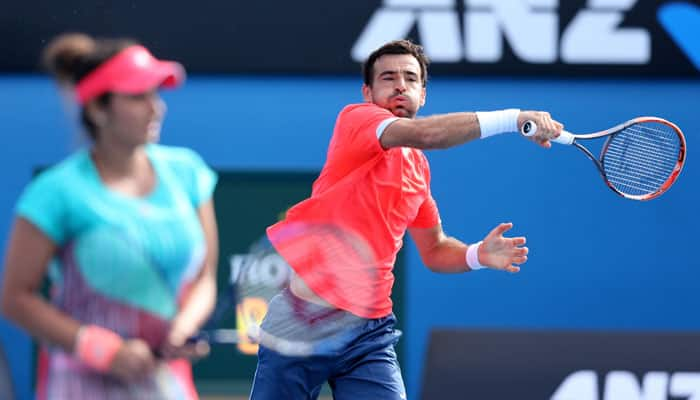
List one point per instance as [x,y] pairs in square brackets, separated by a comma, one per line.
[396,47]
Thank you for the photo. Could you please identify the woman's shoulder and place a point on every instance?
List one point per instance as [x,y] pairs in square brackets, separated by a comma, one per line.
[173,154]
[191,170]
[65,171]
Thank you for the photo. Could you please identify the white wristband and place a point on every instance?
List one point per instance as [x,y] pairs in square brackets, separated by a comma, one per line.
[473,257]
[497,122]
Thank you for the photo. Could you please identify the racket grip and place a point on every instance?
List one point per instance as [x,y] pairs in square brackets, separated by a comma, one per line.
[529,129]
[564,138]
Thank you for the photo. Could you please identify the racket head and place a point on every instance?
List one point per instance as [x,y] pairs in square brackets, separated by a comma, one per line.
[643,158]
[332,264]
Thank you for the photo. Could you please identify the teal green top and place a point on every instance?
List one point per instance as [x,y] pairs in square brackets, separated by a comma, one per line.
[123,262]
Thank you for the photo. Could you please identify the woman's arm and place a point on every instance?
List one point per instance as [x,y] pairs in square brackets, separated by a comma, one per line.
[201,298]
[26,261]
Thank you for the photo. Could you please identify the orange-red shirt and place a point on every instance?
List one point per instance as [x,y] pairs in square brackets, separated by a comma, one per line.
[371,191]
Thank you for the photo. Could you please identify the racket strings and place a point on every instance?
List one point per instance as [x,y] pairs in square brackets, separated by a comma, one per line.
[639,159]
[336,264]
[642,148]
[644,151]
[651,171]
[304,322]
[297,323]
[654,153]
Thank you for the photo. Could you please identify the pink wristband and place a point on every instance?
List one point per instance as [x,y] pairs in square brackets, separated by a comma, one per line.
[97,346]
[473,257]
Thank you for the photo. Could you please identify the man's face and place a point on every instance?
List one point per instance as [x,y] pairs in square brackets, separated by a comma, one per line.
[396,85]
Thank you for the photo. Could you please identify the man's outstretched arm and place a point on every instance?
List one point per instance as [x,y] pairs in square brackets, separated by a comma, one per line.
[448,130]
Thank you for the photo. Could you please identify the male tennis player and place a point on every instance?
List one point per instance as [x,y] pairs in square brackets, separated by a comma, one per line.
[376,182]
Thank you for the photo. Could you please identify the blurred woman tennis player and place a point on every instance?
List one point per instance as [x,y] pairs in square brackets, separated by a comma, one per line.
[125,230]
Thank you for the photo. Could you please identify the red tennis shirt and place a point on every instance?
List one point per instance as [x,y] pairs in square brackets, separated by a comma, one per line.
[373,192]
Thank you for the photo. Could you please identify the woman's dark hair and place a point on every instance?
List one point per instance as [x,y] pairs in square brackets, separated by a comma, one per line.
[72,56]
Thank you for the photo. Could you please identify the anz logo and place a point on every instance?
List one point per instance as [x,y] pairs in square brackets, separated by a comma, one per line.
[530,27]
[624,385]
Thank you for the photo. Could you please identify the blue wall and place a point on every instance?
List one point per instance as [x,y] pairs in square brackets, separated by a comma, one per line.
[597,261]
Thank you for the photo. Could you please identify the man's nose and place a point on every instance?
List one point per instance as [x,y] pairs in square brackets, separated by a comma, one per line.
[400,85]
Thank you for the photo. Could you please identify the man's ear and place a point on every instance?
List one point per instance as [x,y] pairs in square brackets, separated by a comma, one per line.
[423,94]
[367,93]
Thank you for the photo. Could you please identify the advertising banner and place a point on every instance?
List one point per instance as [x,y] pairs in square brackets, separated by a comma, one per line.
[658,38]
[562,365]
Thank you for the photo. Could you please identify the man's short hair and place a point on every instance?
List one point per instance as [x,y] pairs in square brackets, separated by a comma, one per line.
[396,47]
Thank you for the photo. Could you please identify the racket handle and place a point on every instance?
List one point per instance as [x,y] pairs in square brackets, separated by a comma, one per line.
[220,336]
[564,138]
[529,129]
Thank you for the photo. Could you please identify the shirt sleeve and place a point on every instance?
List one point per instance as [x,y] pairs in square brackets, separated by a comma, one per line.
[203,179]
[43,203]
[359,127]
[428,215]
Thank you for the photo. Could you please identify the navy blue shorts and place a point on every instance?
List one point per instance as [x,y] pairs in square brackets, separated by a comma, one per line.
[365,368]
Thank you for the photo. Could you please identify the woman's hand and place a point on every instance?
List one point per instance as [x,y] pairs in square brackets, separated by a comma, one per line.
[134,360]
[179,345]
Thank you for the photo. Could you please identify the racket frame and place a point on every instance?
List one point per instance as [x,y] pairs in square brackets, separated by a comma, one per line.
[569,138]
[253,333]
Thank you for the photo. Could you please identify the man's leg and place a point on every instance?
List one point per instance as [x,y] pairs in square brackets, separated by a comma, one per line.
[369,368]
[281,377]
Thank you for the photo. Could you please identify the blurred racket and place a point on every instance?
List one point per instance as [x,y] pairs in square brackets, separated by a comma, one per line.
[640,159]
[335,262]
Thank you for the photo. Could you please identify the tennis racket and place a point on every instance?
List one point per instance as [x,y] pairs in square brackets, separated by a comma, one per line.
[333,262]
[640,159]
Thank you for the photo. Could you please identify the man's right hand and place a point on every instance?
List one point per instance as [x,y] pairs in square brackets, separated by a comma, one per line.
[547,128]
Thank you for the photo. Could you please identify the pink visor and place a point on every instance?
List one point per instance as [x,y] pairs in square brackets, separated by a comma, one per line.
[133,70]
